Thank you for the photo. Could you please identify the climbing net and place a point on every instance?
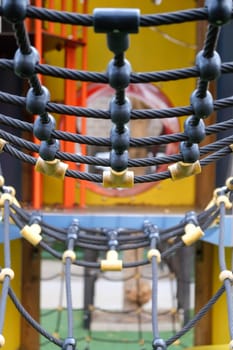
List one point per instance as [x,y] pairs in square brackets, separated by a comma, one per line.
[117,25]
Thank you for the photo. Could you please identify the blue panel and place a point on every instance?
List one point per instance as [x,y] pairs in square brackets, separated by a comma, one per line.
[125,221]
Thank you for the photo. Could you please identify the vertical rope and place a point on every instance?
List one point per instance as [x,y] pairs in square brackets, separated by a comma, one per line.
[7,263]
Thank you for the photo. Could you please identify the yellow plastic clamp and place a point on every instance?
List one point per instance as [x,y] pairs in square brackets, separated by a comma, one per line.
[226,274]
[154,252]
[6,271]
[229,183]
[114,179]
[192,234]
[112,263]
[32,233]
[2,341]
[4,197]
[224,199]
[2,144]
[180,170]
[68,254]
[2,181]
[56,335]
[54,168]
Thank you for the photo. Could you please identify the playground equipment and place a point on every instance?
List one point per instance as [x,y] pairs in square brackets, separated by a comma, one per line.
[117,25]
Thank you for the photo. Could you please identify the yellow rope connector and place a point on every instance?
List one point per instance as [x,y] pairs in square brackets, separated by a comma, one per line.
[2,144]
[4,197]
[6,272]
[154,252]
[111,263]
[229,183]
[54,168]
[2,341]
[56,335]
[192,234]
[32,233]
[224,199]
[68,254]
[180,170]
[226,274]
[112,178]
[231,345]
[2,181]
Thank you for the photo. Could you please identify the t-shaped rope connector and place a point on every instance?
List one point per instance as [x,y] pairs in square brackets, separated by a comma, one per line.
[111,263]
[117,179]
[180,170]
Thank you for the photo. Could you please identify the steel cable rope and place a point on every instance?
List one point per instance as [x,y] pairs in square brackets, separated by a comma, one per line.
[23,42]
[66,17]
[31,320]
[154,300]
[135,78]
[210,220]
[69,302]
[82,238]
[27,217]
[105,114]
[6,278]
[190,324]
[179,22]
[51,233]
[101,141]
[212,34]
[222,265]
[98,178]
[56,254]
[137,162]
[204,222]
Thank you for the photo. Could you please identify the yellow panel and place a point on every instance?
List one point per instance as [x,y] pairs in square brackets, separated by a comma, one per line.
[166,193]
[157,48]
[11,330]
[220,329]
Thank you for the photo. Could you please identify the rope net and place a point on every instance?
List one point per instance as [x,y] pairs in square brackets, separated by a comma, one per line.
[50,160]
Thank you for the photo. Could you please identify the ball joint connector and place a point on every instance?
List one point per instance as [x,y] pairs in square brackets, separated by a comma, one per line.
[209,67]
[42,130]
[118,24]
[159,344]
[194,129]
[202,106]
[24,64]
[219,11]
[69,344]
[14,11]
[36,104]
[44,124]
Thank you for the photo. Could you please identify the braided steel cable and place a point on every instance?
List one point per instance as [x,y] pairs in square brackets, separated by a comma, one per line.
[218,149]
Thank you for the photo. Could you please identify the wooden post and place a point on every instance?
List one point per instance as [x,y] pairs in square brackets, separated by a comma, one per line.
[30,295]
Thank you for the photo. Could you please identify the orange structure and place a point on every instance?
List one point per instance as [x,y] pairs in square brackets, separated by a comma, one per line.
[69,38]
